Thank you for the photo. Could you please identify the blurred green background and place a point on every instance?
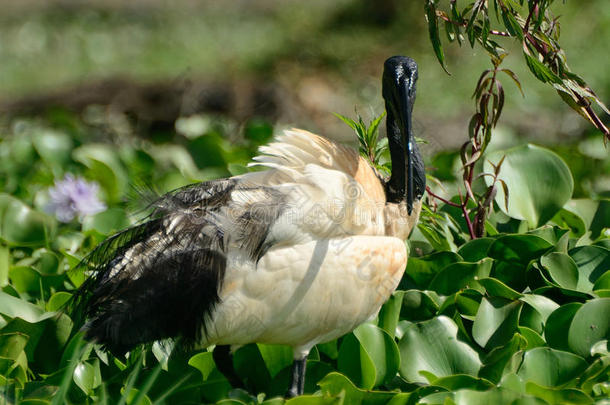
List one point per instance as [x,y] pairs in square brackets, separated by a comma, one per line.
[292,62]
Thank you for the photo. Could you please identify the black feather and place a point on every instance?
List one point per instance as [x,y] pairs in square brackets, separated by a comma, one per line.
[161,279]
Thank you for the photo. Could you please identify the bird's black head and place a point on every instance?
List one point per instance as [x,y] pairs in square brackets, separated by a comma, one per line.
[408,179]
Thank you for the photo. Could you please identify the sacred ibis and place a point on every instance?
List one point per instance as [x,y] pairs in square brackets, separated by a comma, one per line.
[296,254]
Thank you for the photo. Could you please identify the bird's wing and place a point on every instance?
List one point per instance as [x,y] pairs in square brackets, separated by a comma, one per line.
[161,278]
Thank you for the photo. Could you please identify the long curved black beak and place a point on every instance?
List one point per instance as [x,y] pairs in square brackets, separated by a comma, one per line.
[406,110]
[399,78]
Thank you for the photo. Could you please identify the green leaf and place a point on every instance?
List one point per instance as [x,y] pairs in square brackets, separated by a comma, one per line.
[541,71]
[519,248]
[21,225]
[336,385]
[423,269]
[15,308]
[430,9]
[432,346]
[475,250]
[390,313]
[496,322]
[562,269]
[538,180]
[418,305]
[370,358]
[532,337]
[549,367]
[558,395]
[204,363]
[276,357]
[87,376]
[107,222]
[592,263]
[496,288]
[5,262]
[496,360]
[589,326]
[460,275]
[558,325]
[537,311]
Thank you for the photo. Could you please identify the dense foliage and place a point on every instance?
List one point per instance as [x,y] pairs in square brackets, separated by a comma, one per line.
[518,315]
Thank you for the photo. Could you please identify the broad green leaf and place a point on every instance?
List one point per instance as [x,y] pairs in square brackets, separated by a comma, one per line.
[107,222]
[432,346]
[460,275]
[53,147]
[558,395]
[532,337]
[562,269]
[87,376]
[518,248]
[496,360]
[590,325]
[549,367]
[538,180]
[5,262]
[475,250]
[336,384]
[536,312]
[592,262]
[12,344]
[58,300]
[390,313]
[423,269]
[21,225]
[418,305]
[603,282]
[369,359]
[463,381]
[104,166]
[496,322]
[558,325]
[276,357]
[204,362]
[497,288]
[16,308]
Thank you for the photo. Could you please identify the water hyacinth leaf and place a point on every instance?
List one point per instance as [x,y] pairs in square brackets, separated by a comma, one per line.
[21,225]
[492,396]
[549,367]
[335,385]
[25,279]
[601,219]
[496,322]
[497,288]
[475,250]
[276,357]
[53,147]
[496,360]
[589,326]
[562,269]
[537,310]
[58,300]
[558,325]
[540,178]
[250,367]
[557,395]
[316,371]
[87,376]
[354,362]
[378,353]
[418,305]
[463,381]
[5,262]
[105,167]
[432,346]
[12,344]
[423,269]
[592,262]
[107,222]
[13,307]
[390,313]
[603,282]
[532,337]
[460,275]
[568,219]
[204,363]
[519,248]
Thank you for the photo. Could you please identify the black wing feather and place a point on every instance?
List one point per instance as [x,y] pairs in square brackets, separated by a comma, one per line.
[161,279]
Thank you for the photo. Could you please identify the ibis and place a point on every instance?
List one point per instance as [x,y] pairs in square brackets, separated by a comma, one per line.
[298,253]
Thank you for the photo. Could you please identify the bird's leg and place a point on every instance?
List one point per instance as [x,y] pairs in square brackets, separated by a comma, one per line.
[298,378]
[224,363]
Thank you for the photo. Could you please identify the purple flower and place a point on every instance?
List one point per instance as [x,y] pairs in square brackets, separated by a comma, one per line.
[73,196]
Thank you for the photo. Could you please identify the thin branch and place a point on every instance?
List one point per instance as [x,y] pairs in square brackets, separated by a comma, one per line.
[451,203]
